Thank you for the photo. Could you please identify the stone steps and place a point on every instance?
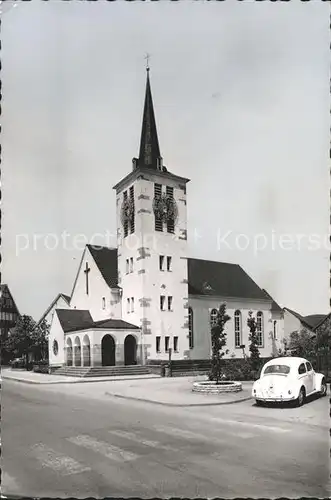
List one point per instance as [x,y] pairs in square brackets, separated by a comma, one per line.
[102,371]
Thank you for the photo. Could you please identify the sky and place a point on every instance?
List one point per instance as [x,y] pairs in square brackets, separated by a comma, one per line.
[241,99]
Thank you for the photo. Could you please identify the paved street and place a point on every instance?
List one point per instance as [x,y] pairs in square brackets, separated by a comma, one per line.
[73,441]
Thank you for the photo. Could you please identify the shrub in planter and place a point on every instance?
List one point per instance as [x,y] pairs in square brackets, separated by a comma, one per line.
[41,367]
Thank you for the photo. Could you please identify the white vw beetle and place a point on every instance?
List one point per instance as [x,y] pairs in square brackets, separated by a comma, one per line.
[288,379]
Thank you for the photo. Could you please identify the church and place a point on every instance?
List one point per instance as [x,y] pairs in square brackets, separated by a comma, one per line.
[134,304]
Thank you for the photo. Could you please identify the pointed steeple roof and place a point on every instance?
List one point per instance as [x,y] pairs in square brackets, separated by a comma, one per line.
[149,153]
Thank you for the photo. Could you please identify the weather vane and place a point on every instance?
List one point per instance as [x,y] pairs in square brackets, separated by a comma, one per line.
[147,57]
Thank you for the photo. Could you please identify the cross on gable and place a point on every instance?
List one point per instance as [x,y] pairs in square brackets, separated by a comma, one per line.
[86,271]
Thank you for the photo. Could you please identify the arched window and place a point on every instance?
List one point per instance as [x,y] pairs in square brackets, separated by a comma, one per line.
[190,328]
[213,317]
[237,329]
[259,328]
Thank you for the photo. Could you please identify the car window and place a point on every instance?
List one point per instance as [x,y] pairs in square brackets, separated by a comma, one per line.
[302,368]
[309,367]
[284,369]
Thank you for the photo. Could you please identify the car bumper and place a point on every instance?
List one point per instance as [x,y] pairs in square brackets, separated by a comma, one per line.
[274,399]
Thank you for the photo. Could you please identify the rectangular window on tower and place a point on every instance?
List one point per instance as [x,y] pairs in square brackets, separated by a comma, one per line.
[132,219]
[175,344]
[131,264]
[166,343]
[169,303]
[127,266]
[103,303]
[127,305]
[162,301]
[157,216]
[125,221]
[132,304]
[169,263]
[171,221]
[161,262]
[158,344]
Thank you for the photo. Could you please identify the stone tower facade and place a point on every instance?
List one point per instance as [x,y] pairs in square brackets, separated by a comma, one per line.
[152,247]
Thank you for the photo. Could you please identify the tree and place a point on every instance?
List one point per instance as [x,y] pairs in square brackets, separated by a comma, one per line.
[303,344]
[28,337]
[19,341]
[254,344]
[218,341]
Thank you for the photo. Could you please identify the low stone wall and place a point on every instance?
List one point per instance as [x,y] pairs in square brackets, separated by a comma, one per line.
[211,387]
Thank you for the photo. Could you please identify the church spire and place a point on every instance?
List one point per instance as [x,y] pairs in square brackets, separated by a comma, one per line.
[149,153]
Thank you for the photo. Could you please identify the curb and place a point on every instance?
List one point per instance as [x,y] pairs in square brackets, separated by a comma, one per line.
[84,381]
[160,403]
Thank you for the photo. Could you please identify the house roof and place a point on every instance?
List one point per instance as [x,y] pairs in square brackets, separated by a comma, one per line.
[205,277]
[73,320]
[274,305]
[316,320]
[106,260]
[311,321]
[211,278]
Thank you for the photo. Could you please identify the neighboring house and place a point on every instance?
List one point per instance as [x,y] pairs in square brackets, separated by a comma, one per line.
[9,315]
[132,304]
[294,322]
[61,301]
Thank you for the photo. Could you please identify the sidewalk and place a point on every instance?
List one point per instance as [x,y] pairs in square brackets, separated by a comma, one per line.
[175,391]
[28,377]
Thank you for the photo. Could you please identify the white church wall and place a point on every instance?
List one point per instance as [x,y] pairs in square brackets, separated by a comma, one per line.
[56,333]
[202,331]
[98,290]
[147,283]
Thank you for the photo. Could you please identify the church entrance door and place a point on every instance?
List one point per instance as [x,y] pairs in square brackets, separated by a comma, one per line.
[108,351]
[130,350]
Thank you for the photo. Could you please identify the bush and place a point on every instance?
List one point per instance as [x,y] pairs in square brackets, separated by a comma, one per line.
[41,367]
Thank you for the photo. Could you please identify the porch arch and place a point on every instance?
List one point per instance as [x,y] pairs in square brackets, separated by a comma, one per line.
[69,355]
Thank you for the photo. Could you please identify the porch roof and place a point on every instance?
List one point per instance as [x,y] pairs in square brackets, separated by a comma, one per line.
[73,320]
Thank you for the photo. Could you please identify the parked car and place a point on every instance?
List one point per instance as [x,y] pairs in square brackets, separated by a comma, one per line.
[288,379]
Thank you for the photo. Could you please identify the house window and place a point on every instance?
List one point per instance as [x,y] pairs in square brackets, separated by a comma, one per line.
[237,328]
[169,263]
[127,266]
[126,222]
[275,329]
[131,264]
[157,220]
[169,303]
[213,317]
[259,328]
[190,328]
[170,222]
[158,344]
[127,305]
[162,301]
[175,344]
[161,262]
[166,343]
[103,303]
[132,220]
[132,304]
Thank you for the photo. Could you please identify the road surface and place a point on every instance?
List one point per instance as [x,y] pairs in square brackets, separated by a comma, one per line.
[72,441]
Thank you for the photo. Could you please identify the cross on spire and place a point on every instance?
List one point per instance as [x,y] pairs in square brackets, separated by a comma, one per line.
[86,271]
[147,57]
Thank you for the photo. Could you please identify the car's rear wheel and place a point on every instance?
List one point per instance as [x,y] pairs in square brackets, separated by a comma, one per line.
[324,388]
[301,398]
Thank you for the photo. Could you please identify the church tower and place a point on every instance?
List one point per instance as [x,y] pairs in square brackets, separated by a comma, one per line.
[152,247]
